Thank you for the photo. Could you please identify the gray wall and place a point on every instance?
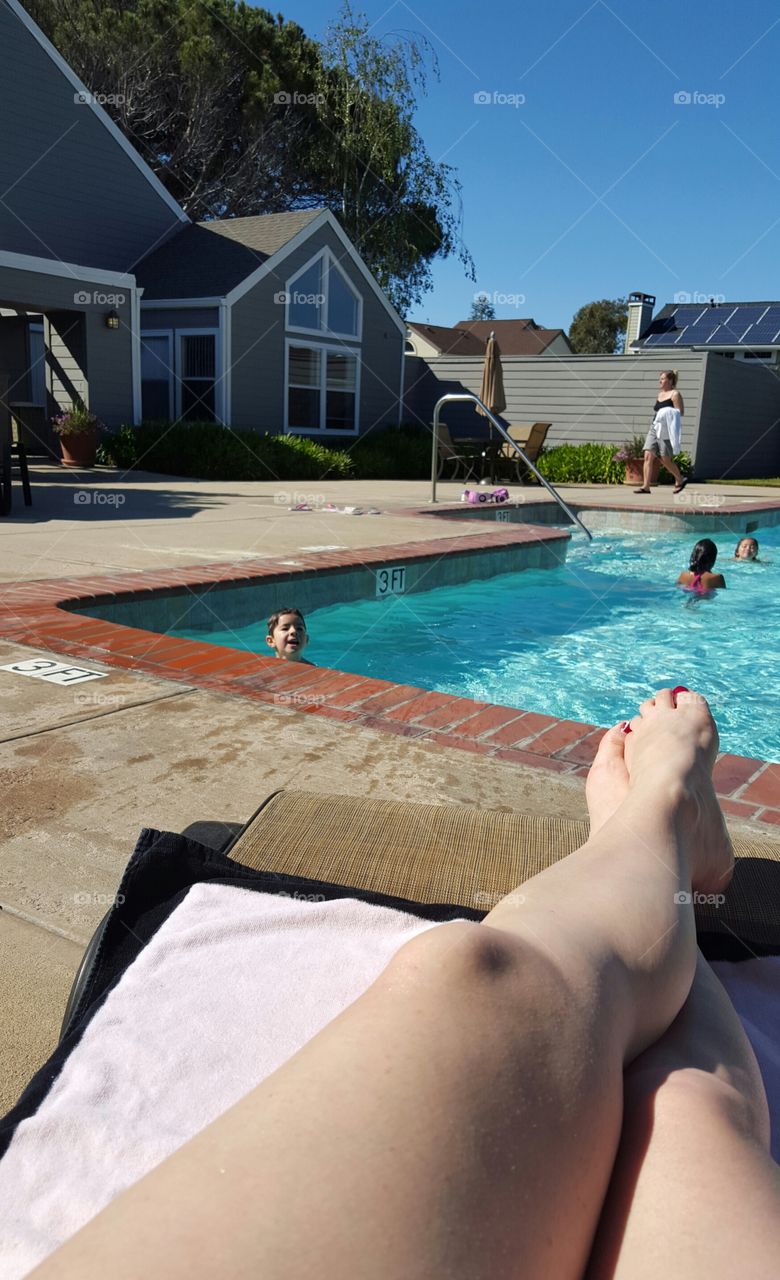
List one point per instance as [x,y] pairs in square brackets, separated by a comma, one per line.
[258,347]
[605,399]
[72,192]
[179,318]
[739,435]
[95,360]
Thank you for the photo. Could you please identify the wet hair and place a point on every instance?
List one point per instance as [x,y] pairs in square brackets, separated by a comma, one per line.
[671,375]
[273,621]
[703,556]
[754,541]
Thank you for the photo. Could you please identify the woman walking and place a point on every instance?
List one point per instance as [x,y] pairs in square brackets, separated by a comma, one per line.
[663,438]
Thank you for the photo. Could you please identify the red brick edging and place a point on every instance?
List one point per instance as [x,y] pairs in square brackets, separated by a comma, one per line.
[33,613]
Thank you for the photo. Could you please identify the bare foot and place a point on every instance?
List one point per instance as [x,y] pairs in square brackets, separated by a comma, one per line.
[606,786]
[669,755]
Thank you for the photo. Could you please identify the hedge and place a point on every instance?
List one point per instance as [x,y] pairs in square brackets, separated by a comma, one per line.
[593,464]
[208,451]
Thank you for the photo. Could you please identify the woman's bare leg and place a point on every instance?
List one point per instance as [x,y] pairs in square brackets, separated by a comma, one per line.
[462,1118]
[672,466]
[695,1192]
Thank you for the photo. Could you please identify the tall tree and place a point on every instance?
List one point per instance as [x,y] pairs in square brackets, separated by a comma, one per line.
[238,112]
[400,207]
[599,328]
[193,87]
[482,308]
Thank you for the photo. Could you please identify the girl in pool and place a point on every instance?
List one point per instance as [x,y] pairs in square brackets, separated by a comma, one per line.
[699,577]
[747,549]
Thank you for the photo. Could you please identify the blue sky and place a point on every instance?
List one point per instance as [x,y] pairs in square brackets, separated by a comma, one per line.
[599,183]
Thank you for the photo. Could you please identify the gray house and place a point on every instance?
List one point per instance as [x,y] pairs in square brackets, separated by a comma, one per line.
[272,322]
[109,293]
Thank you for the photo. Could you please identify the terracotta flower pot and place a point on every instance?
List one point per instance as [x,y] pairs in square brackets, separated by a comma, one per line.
[79,449]
[635,471]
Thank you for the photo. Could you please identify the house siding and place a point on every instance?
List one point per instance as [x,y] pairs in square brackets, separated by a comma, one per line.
[740,420]
[258,346]
[603,399]
[72,192]
[179,318]
[86,358]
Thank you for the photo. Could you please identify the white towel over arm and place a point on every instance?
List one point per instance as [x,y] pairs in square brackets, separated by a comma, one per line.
[668,426]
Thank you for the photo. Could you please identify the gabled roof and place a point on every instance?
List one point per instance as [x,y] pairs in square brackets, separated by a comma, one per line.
[266,233]
[521,337]
[209,259]
[469,337]
[85,98]
[449,341]
[747,325]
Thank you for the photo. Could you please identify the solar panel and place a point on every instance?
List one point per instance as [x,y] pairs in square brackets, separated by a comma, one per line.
[660,340]
[748,324]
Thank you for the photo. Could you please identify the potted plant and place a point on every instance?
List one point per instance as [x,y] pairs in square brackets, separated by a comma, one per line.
[77,429]
[632,453]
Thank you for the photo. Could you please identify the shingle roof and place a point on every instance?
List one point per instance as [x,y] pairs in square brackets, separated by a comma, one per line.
[449,341]
[521,337]
[469,337]
[208,259]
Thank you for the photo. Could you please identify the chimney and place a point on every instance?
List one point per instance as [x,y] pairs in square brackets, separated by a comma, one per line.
[640,313]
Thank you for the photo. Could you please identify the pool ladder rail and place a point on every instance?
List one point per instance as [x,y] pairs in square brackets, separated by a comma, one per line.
[468,397]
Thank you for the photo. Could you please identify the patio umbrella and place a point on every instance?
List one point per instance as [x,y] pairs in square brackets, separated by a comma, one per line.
[492,390]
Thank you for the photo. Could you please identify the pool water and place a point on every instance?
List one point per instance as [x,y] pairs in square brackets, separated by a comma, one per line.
[586,641]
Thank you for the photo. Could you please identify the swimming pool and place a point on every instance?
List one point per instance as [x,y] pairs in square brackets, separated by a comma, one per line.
[585,641]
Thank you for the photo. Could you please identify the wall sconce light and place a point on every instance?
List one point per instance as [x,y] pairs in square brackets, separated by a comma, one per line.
[112,320]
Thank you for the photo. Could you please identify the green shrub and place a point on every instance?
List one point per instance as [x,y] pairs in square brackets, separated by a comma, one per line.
[593,464]
[393,453]
[581,464]
[208,451]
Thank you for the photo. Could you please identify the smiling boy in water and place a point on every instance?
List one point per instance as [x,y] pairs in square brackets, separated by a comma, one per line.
[287,635]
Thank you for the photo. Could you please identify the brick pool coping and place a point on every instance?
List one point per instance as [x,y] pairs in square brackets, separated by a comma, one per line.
[34,613]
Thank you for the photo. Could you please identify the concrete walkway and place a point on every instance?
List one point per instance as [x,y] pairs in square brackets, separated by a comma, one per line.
[84,768]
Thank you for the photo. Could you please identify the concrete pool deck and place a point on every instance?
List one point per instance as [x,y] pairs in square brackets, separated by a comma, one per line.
[86,767]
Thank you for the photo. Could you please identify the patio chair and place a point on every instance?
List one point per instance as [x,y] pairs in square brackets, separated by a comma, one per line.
[460,457]
[12,445]
[531,437]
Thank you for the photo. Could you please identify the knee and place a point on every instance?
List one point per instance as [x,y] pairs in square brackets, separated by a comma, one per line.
[691,1096]
[478,958]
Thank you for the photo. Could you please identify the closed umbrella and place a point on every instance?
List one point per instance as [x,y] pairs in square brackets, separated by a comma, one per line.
[492,391]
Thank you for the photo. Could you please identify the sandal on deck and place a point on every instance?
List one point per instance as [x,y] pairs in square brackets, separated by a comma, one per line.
[678,488]
[641,491]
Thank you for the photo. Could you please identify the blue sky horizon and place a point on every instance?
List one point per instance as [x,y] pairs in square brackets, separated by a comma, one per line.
[601,148]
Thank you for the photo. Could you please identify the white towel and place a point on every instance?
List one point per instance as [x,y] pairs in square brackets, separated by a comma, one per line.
[233,983]
[667,425]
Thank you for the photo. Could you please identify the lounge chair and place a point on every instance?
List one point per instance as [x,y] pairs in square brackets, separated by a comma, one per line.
[436,863]
[445,854]
[531,437]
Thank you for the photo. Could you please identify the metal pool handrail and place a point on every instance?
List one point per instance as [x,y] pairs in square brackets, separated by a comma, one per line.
[450,398]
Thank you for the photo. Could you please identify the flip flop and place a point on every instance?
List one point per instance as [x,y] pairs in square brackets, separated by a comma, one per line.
[678,488]
[645,491]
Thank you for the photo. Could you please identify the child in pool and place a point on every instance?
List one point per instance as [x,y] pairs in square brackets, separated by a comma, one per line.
[747,549]
[287,635]
[699,577]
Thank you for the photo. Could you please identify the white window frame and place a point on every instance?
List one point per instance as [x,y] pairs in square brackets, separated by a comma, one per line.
[330,264]
[162,333]
[179,370]
[331,348]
